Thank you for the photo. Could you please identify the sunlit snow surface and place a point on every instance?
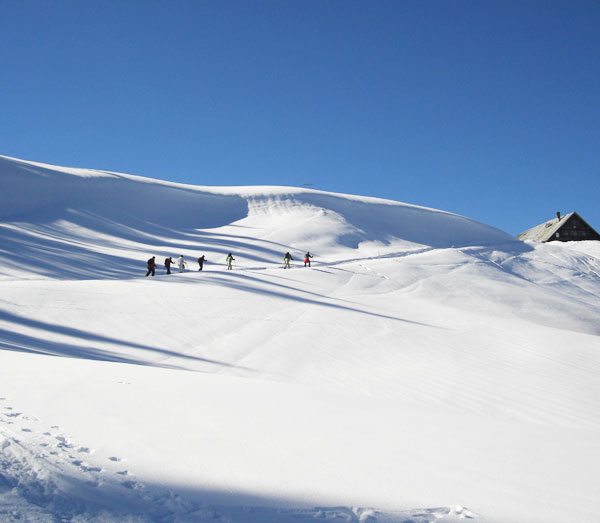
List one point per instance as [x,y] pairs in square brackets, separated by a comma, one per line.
[427,367]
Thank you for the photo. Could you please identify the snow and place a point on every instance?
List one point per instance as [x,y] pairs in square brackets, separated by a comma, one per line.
[427,367]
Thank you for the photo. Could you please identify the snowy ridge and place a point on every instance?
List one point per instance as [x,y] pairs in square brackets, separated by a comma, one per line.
[424,360]
[110,223]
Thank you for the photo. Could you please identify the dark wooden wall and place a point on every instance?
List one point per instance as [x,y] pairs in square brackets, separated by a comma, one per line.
[574,229]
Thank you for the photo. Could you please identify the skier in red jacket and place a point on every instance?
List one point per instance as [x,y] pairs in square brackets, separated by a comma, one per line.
[168,262]
[151,266]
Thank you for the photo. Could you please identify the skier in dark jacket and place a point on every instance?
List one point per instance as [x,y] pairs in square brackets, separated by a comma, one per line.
[201,261]
[151,266]
[286,260]
[307,258]
[168,262]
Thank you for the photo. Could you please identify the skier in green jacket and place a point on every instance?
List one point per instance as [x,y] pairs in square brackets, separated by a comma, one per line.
[230,259]
[286,260]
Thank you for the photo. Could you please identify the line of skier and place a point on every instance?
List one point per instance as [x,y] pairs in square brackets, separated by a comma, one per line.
[182,265]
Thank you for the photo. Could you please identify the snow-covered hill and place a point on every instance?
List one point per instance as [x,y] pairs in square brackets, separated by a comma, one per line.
[73,223]
[424,360]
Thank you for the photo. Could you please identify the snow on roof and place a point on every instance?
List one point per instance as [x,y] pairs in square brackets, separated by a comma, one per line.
[544,231]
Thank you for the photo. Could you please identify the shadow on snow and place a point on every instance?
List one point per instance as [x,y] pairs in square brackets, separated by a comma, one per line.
[10,340]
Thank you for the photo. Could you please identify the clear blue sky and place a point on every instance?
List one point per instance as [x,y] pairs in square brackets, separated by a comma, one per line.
[490,109]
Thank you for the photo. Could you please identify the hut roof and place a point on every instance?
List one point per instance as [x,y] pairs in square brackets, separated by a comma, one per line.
[544,231]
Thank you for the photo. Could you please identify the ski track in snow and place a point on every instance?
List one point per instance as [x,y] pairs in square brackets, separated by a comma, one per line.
[36,460]
[46,477]
[56,477]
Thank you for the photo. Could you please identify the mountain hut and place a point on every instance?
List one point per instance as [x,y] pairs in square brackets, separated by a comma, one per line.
[568,228]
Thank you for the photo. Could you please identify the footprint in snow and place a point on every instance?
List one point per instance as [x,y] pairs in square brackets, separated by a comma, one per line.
[84,450]
[114,458]
[85,468]
[26,430]
[63,442]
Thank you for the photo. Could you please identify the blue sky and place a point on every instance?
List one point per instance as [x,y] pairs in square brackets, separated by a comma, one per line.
[488,109]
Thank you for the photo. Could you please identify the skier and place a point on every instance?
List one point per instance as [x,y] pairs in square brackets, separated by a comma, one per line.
[230,259]
[286,260]
[168,262]
[181,263]
[201,261]
[151,266]
[307,258]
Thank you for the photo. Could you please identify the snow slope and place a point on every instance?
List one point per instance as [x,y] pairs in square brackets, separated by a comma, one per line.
[424,360]
[72,223]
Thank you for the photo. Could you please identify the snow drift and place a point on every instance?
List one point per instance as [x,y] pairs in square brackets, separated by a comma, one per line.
[424,360]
